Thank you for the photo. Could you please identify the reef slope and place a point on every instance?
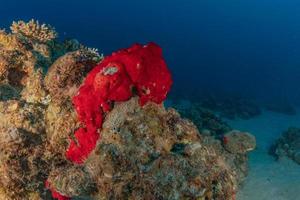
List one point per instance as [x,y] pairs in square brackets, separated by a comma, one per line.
[142,150]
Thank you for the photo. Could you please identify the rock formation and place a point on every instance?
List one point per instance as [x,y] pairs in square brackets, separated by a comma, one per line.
[76,125]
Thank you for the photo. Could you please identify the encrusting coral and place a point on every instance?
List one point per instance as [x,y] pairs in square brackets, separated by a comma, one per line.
[34,116]
[239,142]
[152,153]
[76,125]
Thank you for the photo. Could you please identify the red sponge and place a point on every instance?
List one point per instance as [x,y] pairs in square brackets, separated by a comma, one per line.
[114,79]
[139,70]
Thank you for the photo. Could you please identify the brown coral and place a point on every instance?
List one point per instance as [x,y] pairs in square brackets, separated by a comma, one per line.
[61,122]
[34,30]
[144,152]
[239,142]
[151,153]
[34,91]
[21,138]
[9,41]
[67,72]
[71,181]
[33,131]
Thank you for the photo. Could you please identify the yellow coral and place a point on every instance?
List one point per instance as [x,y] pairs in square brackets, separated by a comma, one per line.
[34,30]
[8,41]
[3,194]
[34,91]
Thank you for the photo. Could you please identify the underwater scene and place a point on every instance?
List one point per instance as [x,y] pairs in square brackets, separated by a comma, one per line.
[150,100]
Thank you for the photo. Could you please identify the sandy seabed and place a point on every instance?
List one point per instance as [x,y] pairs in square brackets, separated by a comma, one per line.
[269,179]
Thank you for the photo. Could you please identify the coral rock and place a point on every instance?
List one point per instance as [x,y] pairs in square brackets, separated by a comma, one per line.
[34,30]
[152,153]
[91,130]
[288,145]
[66,74]
[139,67]
[71,181]
[239,142]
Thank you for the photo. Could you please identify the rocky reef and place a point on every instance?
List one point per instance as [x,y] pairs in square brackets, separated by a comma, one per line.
[77,125]
[288,145]
[206,121]
[233,108]
[227,105]
[282,107]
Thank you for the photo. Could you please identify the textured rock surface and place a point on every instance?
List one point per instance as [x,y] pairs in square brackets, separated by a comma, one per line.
[37,118]
[227,105]
[34,30]
[233,107]
[143,153]
[152,153]
[205,120]
[239,142]
[288,145]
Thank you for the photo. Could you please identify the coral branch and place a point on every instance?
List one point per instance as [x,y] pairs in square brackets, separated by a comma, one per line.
[33,29]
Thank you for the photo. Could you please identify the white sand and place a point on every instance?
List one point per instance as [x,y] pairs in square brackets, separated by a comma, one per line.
[269,179]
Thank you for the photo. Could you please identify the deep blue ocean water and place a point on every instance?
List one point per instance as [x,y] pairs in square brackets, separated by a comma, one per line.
[251,46]
[241,47]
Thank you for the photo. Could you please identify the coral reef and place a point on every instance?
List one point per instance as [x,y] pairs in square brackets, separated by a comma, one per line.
[232,108]
[36,120]
[139,69]
[21,53]
[34,30]
[151,153]
[227,105]
[21,149]
[288,145]
[205,120]
[282,107]
[239,142]
[76,125]
[66,74]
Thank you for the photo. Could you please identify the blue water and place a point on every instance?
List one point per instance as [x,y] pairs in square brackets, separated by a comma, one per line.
[251,47]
